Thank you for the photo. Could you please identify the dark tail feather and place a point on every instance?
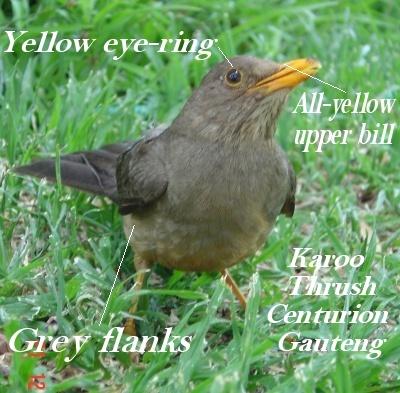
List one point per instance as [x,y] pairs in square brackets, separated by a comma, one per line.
[90,171]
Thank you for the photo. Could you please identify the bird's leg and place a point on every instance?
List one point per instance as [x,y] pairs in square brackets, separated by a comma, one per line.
[142,268]
[233,287]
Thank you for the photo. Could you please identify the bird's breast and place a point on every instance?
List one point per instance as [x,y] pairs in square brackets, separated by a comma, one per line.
[218,210]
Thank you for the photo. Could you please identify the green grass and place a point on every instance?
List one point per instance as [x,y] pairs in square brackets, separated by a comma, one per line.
[59,249]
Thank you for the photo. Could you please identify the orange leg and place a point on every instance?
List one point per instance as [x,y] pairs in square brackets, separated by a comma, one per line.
[233,287]
[142,268]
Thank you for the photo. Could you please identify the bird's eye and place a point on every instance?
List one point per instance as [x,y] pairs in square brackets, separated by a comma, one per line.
[233,76]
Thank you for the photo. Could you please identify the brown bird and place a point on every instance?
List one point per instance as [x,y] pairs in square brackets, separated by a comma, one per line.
[204,192]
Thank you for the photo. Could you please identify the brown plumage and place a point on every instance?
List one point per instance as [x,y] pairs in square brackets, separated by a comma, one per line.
[203,193]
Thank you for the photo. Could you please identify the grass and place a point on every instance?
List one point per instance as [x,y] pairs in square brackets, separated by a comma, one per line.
[59,249]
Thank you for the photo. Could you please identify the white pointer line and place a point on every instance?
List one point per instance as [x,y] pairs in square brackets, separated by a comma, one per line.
[116,275]
[287,65]
[313,77]
[223,54]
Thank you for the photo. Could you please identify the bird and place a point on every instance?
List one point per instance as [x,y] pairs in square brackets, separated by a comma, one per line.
[204,192]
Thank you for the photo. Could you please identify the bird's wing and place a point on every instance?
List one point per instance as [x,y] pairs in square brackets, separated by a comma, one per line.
[141,176]
[90,171]
[290,202]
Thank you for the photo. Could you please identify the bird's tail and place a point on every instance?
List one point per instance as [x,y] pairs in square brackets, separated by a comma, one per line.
[90,171]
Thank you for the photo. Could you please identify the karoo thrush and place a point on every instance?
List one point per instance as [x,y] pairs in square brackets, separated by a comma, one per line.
[204,192]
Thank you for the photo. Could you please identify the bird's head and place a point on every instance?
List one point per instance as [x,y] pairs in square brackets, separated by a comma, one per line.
[243,101]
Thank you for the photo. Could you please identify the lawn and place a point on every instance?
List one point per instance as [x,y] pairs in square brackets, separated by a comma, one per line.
[59,249]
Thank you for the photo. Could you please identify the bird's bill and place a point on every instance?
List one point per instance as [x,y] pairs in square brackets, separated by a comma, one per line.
[289,75]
